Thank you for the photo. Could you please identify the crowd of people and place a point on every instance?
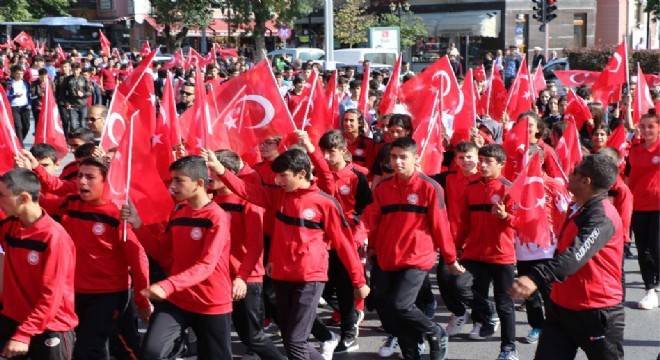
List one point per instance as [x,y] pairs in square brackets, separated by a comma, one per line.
[351,219]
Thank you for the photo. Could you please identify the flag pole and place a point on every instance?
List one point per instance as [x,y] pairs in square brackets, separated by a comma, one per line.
[309,101]
[130,166]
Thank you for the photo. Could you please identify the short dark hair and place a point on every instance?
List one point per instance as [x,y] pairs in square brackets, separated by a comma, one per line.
[402,120]
[601,169]
[84,151]
[597,113]
[298,80]
[43,151]
[405,143]
[332,139]
[293,159]
[16,68]
[354,84]
[22,180]
[611,152]
[466,146]
[193,167]
[494,151]
[583,91]
[559,127]
[82,133]
[43,71]
[97,163]
[229,159]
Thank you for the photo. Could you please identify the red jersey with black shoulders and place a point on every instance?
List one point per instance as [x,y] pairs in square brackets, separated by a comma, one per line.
[622,199]
[362,151]
[644,176]
[268,179]
[196,243]
[70,171]
[38,277]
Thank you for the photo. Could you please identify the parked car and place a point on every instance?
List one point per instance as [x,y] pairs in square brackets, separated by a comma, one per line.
[303,54]
[376,56]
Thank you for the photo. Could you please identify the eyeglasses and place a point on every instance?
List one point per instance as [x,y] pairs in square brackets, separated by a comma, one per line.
[185,93]
[269,143]
[93,119]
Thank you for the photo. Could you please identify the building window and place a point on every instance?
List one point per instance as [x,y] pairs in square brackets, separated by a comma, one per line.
[105,4]
[580,30]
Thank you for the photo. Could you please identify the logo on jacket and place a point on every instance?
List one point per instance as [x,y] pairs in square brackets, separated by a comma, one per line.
[413,199]
[52,342]
[656,159]
[33,257]
[359,152]
[345,190]
[196,233]
[308,214]
[495,199]
[98,228]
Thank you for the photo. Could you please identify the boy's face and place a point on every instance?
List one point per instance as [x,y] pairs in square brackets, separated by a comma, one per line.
[9,203]
[90,183]
[489,167]
[49,165]
[183,187]
[335,157]
[351,123]
[403,161]
[74,143]
[289,181]
[467,161]
[215,184]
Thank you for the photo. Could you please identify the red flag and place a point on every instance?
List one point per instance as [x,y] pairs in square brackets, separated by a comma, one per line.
[61,55]
[146,49]
[115,53]
[568,148]
[528,194]
[25,41]
[576,109]
[332,100]
[607,88]
[652,80]
[539,82]
[618,140]
[576,78]
[9,143]
[167,133]
[228,52]
[467,115]
[493,100]
[415,92]
[194,58]
[201,129]
[388,100]
[127,87]
[428,134]
[105,43]
[480,73]
[641,97]
[115,122]
[49,129]
[363,101]
[316,121]
[516,144]
[133,174]
[176,61]
[520,95]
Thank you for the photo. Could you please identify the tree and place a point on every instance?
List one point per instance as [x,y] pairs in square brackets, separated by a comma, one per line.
[411,26]
[180,15]
[653,7]
[26,10]
[352,23]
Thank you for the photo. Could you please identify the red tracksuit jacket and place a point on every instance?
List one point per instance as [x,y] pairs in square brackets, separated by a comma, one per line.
[196,244]
[307,222]
[586,272]
[268,179]
[456,182]
[622,199]
[70,171]
[247,237]
[484,237]
[102,256]
[51,184]
[644,176]
[362,151]
[408,222]
[38,277]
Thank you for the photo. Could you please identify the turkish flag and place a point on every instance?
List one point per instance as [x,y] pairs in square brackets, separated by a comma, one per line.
[333,99]
[538,82]
[415,92]
[480,73]
[25,41]
[228,52]
[176,61]
[9,143]
[133,174]
[528,196]
[568,148]
[576,78]
[363,101]
[49,129]
[493,100]
[146,49]
[521,95]
[311,112]
[167,133]
[607,88]
[127,87]
[388,100]
[576,109]
[115,122]
[516,144]
[618,140]
[201,130]
[115,53]
[61,55]
[652,80]
[641,97]
[195,59]
[105,43]
[466,118]
[428,135]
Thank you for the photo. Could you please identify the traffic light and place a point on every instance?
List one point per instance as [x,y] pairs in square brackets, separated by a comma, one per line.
[544,12]
[549,9]
[538,7]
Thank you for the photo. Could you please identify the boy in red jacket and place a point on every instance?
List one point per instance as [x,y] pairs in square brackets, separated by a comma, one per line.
[486,235]
[38,317]
[307,220]
[194,251]
[408,223]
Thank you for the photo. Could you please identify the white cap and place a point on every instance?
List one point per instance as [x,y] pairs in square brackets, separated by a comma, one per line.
[538,48]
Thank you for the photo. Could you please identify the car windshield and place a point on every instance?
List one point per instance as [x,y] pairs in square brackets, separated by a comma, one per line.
[381,58]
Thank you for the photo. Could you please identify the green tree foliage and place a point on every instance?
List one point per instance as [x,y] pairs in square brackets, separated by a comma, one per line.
[179,16]
[28,10]
[352,23]
[411,25]
[653,7]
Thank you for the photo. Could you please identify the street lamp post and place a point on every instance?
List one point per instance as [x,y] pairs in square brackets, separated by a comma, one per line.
[401,7]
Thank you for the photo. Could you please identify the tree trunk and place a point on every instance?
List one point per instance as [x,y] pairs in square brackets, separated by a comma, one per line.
[258,33]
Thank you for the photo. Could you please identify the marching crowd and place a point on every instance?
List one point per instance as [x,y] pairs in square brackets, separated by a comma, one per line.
[349,216]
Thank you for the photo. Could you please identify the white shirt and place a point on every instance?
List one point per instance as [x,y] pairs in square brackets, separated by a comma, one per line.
[19,87]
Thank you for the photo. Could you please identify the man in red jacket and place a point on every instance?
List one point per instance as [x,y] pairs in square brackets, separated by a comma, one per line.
[408,223]
[307,221]
[586,272]
[38,317]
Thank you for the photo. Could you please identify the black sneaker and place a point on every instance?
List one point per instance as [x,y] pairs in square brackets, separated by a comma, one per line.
[438,343]
[347,345]
[489,327]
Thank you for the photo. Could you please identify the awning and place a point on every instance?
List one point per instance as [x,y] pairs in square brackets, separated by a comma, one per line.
[217,27]
[484,23]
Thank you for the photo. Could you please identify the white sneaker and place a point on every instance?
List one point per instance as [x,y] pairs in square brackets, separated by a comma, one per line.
[328,347]
[389,346]
[455,324]
[322,302]
[650,301]
[360,318]
[474,334]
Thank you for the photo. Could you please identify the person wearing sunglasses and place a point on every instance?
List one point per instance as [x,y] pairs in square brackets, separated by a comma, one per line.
[95,121]
[187,96]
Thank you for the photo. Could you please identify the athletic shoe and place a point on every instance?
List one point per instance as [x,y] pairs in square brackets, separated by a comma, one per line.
[476,330]
[650,301]
[322,302]
[456,324]
[347,345]
[508,355]
[420,349]
[438,343]
[429,309]
[328,347]
[489,327]
[533,336]
[389,346]
[359,320]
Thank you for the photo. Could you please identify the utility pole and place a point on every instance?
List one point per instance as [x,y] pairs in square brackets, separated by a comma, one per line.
[329,40]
